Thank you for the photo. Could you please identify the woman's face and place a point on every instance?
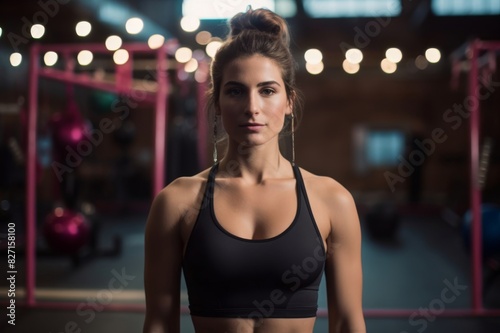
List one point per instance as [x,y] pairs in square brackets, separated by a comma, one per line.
[253,100]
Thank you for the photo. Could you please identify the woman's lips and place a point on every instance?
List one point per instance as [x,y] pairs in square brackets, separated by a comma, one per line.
[252,126]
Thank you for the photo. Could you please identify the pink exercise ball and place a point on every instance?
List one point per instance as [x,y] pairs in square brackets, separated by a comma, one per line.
[68,130]
[66,231]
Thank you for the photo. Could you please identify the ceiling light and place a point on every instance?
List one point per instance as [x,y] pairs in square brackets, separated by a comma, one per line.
[313,56]
[134,25]
[83,28]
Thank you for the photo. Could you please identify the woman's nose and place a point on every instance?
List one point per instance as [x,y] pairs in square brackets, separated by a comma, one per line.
[252,106]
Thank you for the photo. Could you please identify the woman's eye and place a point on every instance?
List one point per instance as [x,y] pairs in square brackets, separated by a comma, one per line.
[233,92]
[268,91]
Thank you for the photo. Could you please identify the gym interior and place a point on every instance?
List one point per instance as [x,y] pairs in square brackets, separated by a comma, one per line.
[102,104]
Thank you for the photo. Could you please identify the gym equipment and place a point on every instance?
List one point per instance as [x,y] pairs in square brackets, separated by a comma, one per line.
[66,231]
[68,129]
[154,89]
[490,217]
[74,233]
[471,55]
[101,102]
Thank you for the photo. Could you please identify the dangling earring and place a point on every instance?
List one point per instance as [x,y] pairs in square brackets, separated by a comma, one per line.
[214,138]
[293,139]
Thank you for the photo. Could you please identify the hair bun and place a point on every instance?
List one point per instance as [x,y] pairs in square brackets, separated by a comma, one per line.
[260,20]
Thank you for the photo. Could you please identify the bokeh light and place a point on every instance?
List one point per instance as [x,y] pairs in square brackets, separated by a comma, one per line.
[388,66]
[191,65]
[190,23]
[433,55]
[50,58]
[421,62]
[183,54]
[37,31]
[15,59]
[134,25]
[394,55]
[113,43]
[354,56]
[85,57]
[156,41]
[315,68]
[313,56]
[349,67]
[120,56]
[203,37]
[212,48]
[83,28]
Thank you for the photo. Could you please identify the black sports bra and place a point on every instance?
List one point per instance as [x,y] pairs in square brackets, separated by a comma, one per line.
[229,276]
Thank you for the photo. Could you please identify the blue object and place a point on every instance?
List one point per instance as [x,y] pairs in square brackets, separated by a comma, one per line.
[490,217]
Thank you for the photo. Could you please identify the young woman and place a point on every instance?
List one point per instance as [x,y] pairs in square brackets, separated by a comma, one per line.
[254,233]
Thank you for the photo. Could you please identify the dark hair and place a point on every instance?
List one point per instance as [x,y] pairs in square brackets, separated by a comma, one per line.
[258,31]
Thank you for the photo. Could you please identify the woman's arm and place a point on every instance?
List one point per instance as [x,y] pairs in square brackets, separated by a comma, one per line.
[343,265]
[162,268]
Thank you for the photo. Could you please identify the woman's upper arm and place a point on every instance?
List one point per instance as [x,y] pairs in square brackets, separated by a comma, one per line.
[343,265]
[162,267]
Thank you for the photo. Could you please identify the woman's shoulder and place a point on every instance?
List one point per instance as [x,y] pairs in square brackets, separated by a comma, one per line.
[332,198]
[177,204]
[326,188]
[184,191]
[188,183]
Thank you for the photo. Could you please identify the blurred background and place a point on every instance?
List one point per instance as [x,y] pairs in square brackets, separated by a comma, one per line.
[387,111]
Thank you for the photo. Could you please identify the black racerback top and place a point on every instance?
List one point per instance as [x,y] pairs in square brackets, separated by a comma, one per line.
[229,276]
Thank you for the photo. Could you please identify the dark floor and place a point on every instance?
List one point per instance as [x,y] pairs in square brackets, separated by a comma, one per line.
[409,272]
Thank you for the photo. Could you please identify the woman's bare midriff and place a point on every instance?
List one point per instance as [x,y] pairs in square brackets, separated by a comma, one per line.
[243,325]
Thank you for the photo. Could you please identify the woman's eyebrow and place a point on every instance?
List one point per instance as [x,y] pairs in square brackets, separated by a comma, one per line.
[260,84]
[268,83]
[233,83]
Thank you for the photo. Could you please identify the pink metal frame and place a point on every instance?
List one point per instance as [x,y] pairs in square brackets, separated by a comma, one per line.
[475,48]
[159,98]
[477,278]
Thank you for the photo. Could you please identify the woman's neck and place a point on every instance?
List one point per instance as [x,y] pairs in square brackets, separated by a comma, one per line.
[254,163]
